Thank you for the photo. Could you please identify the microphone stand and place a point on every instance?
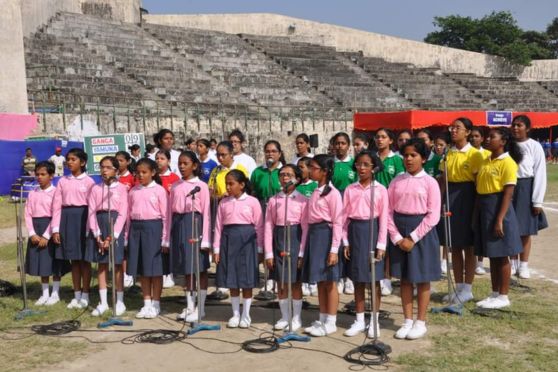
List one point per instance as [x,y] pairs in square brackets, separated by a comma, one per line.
[217,295]
[114,320]
[266,295]
[286,254]
[197,326]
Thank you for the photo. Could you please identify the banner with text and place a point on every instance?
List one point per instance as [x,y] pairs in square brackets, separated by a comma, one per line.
[98,147]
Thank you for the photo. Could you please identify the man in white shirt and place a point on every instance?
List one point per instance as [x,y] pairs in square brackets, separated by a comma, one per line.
[237,139]
[59,161]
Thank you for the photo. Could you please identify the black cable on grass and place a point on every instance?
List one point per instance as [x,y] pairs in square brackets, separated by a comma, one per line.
[262,344]
[56,329]
[6,288]
[516,285]
[495,313]
[156,336]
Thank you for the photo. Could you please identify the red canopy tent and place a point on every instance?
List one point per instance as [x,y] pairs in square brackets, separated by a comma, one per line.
[370,121]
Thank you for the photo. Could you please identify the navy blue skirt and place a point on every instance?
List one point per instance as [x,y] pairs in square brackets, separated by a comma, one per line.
[281,271]
[145,257]
[359,243]
[73,233]
[42,261]
[92,250]
[238,265]
[462,202]
[182,260]
[318,246]
[529,224]
[422,263]
[486,243]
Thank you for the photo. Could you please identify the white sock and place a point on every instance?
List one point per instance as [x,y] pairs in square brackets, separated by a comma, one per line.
[331,319]
[235,302]
[201,305]
[514,263]
[119,296]
[420,323]
[523,264]
[85,296]
[147,302]
[77,295]
[284,306]
[360,317]
[246,308]
[503,297]
[297,309]
[156,304]
[467,287]
[55,287]
[190,304]
[459,287]
[103,297]
[323,317]
[408,322]
[45,289]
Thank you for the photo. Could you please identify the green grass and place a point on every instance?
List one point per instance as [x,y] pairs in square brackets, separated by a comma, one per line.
[7,212]
[552,183]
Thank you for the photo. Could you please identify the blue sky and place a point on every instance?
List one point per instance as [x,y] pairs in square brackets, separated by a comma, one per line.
[411,19]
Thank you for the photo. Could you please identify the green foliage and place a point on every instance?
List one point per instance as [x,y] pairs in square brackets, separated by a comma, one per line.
[497,34]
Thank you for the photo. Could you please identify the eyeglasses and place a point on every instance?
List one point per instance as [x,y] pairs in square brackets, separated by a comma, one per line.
[222,154]
[271,151]
[363,165]
[289,175]
[455,128]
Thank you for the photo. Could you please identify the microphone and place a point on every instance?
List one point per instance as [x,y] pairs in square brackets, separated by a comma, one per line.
[269,162]
[194,191]
[289,184]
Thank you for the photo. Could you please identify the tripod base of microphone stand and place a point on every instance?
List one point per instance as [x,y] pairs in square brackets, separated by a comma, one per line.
[292,336]
[200,327]
[376,347]
[456,309]
[265,296]
[115,321]
[25,313]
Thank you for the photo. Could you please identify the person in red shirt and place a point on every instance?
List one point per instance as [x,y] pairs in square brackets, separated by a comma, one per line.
[167,177]
[125,174]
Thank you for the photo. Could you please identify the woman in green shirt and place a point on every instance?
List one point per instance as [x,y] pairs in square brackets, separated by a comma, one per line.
[265,178]
[343,172]
[432,165]
[393,164]
[306,186]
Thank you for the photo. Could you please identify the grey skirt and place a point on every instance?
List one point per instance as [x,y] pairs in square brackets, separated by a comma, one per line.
[182,259]
[145,257]
[528,223]
[281,270]
[359,269]
[73,233]
[461,201]
[238,258]
[318,246]
[41,261]
[92,251]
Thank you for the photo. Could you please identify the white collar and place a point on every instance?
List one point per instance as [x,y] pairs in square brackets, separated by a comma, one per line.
[390,154]
[465,148]
[125,174]
[292,195]
[321,189]
[48,189]
[244,196]
[376,183]
[279,166]
[167,173]
[420,174]
[233,165]
[503,156]
[431,156]
[307,182]
[192,180]
[80,177]
[152,184]
[112,185]
[347,159]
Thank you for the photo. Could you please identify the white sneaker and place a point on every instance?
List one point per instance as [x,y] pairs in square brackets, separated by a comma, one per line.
[514,267]
[324,330]
[314,290]
[74,304]
[371,330]
[356,328]
[497,303]
[234,322]
[128,280]
[281,324]
[120,308]
[417,331]
[486,300]
[340,286]
[479,270]
[349,287]
[403,331]
[143,312]
[168,281]
[450,297]
[152,312]
[463,297]
[245,322]
[41,301]
[53,299]
[193,316]
[524,272]
[183,314]
[444,266]
[83,303]
[306,289]
[295,325]
[386,287]
[99,310]
[315,324]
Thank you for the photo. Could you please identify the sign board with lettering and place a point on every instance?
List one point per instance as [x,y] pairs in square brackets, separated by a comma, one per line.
[499,118]
[97,147]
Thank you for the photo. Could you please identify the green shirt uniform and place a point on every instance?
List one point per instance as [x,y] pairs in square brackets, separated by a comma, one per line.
[260,181]
[343,173]
[307,188]
[393,166]
[432,165]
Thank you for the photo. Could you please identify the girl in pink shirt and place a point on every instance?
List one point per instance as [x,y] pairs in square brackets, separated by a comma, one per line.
[40,260]
[275,231]
[325,219]
[69,224]
[183,201]
[108,204]
[414,201]
[148,245]
[359,252]
[239,238]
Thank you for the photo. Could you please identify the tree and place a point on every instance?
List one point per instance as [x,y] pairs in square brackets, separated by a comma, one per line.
[497,34]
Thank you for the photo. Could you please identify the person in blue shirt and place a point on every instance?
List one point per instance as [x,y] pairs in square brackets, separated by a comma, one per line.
[207,163]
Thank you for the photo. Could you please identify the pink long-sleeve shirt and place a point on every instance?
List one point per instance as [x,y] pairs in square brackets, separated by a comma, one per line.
[413,195]
[245,210]
[39,204]
[328,208]
[179,202]
[70,191]
[275,216]
[356,206]
[99,201]
[149,203]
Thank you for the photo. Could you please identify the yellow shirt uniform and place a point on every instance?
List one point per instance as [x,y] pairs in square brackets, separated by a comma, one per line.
[485,153]
[463,164]
[494,174]
[217,178]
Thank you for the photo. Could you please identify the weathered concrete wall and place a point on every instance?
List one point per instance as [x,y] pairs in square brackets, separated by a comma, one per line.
[546,69]
[13,92]
[390,48]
